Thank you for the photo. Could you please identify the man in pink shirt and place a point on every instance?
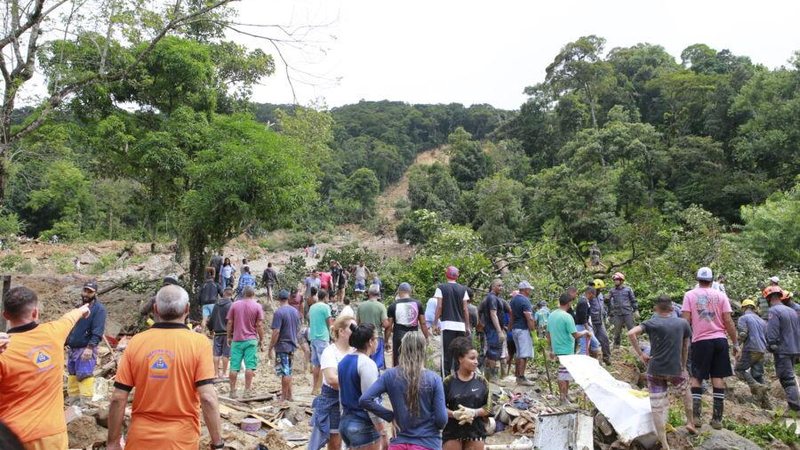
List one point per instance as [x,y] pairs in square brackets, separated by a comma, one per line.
[246,335]
[708,311]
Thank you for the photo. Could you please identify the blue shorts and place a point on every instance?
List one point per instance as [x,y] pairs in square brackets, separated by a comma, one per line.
[380,361]
[207,309]
[357,431]
[594,345]
[283,364]
[360,286]
[317,347]
[494,349]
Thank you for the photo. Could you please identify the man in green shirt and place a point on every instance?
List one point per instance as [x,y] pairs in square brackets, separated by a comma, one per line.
[320,321]
[374,312]
[561,333]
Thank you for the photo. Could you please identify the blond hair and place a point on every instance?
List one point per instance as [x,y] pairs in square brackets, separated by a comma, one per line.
[340,324]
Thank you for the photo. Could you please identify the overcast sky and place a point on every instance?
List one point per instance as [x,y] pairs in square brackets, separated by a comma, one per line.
[437,51]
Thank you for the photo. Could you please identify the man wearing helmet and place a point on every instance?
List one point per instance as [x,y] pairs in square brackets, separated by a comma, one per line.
[452,315]
[708,311]
[783,341]
[623,306]
[750,365]
[597,312]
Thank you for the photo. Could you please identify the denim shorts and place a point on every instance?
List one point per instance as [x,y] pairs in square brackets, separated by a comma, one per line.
[207,310]
[494,349]
[283,364]
[317,347]
[357,432]
[221,347]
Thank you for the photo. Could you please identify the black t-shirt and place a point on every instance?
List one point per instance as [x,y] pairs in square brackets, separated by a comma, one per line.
[472,394]
[582,312]
[489,304]
[405,313]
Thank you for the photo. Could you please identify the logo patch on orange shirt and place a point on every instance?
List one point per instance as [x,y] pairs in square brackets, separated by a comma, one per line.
[41,358]
[160,362]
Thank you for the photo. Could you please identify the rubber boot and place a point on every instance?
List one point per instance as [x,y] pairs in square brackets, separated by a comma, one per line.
[87,390]
[719,407]
[73,390]
[697,405]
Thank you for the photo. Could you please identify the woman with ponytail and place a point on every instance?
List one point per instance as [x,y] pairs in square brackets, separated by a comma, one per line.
[417,398]
[356,373]
[327,412]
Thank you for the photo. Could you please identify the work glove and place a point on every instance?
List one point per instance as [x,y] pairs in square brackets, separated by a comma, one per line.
[636,314]
[465,415]
[87,354]
[502,336]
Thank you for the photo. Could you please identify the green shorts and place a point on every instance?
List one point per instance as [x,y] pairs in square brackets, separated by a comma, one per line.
[244,350]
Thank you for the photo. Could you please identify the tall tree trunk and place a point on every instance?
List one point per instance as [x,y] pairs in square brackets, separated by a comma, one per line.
[197,264]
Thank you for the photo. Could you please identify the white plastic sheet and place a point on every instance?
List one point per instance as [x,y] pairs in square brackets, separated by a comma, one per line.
[629,414]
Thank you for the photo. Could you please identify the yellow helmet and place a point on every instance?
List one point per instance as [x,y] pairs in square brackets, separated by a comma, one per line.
[599,284]
[748,302]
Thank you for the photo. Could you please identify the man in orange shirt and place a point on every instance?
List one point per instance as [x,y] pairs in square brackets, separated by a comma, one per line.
[173,373]
[31,372]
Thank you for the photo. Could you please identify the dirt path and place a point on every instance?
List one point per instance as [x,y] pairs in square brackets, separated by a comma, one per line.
[399,190]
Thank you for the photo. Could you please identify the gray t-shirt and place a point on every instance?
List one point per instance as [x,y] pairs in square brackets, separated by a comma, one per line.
[287,320]
[666,344]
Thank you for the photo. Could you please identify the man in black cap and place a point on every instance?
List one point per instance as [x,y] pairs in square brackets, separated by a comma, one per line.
[82,343]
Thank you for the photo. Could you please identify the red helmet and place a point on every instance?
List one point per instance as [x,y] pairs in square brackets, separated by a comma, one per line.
[769,290]
[451,273]
[618,276]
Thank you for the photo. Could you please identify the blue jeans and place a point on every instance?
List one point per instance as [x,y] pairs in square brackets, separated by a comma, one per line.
[494,348]
[317,347]
[594,346]
[357,431]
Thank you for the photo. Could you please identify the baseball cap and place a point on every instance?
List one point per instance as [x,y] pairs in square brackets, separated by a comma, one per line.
[705,274]
[451,272]
[404,287]
[524,285]
[170,279]
[91,285]
[542,303]
[283,294]
[775,280]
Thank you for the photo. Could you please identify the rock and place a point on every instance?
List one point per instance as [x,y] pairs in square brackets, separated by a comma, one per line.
[83,432]
[88,258]
[72,413]
[725,440]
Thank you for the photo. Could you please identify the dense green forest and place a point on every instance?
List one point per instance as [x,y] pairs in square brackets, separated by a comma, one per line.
[663,164]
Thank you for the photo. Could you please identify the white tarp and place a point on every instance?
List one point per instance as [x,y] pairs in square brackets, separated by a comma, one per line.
[628,413]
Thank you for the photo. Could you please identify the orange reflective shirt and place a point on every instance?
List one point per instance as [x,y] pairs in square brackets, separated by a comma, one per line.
[165,364]
[32,378]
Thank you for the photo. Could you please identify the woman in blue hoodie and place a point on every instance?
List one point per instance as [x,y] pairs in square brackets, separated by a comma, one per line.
[417,398]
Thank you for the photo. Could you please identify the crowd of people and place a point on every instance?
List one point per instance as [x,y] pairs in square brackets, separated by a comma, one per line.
[173,367]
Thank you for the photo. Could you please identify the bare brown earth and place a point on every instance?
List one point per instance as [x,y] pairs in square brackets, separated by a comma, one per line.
[58,283]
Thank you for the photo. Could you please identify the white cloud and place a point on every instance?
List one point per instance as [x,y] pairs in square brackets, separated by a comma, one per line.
[439,51]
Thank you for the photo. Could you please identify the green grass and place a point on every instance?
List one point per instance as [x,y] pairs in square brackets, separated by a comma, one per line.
[103,264]
[765,433]
[63,263]
[10,262]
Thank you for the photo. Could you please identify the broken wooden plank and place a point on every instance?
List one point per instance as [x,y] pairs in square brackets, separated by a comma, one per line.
[258,398]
